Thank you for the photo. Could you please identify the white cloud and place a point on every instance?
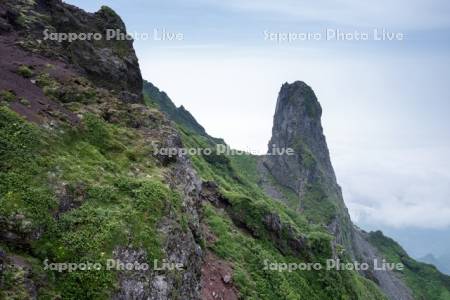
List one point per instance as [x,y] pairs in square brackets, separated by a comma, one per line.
[406,187]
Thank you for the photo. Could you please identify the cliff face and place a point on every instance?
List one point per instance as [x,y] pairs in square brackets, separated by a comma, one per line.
[307,173]
[297,125]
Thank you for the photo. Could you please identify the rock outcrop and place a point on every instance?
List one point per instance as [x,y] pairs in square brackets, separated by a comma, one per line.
[109,62]
[297,125]
[308,173]
[181,246]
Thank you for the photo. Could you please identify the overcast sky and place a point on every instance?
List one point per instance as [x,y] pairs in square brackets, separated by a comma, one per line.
[386,103]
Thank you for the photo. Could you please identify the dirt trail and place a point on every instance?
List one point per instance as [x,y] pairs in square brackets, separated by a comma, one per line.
[217,279]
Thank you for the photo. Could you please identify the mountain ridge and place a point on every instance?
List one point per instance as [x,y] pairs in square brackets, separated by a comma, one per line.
[361,245]
[81,181]
[442,262]
[177,114]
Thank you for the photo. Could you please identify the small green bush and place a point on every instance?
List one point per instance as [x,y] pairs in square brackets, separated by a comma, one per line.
[102,194]
[25,71]
[216,159]
[151,196]
[93,284]
[97,132]
[24,101]
[44,79]
[7,96]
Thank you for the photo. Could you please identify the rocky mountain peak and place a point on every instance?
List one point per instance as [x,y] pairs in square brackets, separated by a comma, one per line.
[307,173]
[297,125]
[310,175]
[299,100]
[300,94]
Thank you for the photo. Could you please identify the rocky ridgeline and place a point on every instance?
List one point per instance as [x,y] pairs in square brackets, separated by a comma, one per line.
[58,84]
[177,114]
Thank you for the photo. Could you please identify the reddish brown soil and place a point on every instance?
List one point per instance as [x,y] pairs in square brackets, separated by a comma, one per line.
[40,108]
[214,271]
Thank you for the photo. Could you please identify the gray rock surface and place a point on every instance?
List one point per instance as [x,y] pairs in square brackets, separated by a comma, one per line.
[388,281]
[297,125]
[180,244]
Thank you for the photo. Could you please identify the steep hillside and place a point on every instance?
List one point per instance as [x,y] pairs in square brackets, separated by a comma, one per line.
[80,183]
[99,199]
[249,230]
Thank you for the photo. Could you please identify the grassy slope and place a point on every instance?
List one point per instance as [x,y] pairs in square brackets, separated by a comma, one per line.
[119,208]
[424,280]
[124,197]
[236,178]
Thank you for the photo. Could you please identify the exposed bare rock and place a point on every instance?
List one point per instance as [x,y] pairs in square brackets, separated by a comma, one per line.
[388,281]
[297,125]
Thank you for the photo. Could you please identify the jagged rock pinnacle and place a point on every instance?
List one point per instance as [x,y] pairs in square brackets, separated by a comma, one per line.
[297,125]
